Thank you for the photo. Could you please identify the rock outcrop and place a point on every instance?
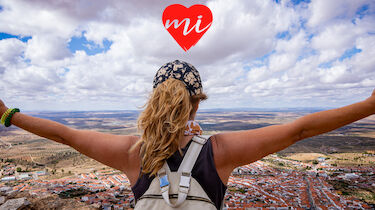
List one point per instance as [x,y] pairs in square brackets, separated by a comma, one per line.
[25,201]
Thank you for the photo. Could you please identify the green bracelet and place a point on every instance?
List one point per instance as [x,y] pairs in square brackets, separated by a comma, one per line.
[5,115]
[7,121]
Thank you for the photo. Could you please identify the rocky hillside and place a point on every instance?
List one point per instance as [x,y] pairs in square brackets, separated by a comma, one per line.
[25,201]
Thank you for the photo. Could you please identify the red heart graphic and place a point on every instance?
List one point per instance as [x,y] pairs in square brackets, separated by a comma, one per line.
[187,25]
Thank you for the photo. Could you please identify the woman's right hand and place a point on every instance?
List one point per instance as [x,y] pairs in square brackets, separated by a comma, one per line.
[3,108]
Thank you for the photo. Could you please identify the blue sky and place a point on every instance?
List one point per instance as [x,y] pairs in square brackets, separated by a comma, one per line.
[257,54]
[91,48]
[76,43]
[9,36]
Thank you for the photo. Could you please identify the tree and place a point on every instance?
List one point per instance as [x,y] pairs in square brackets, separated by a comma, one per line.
[19,169]
[62,170]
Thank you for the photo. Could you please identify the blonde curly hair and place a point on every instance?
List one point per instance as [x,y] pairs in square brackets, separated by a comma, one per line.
[162,123]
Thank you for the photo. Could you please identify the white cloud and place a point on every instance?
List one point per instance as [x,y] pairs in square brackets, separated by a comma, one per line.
[323,12]
[335,39]
[241,61]
[363,61]
[46,48]
[11,51]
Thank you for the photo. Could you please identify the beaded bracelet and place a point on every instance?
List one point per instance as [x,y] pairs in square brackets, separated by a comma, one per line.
[5,115]
[7,121]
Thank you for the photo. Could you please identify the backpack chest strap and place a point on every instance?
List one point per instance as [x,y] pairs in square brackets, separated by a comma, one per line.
[184,170]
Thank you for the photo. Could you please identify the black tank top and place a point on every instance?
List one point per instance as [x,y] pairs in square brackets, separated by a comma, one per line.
[204,171]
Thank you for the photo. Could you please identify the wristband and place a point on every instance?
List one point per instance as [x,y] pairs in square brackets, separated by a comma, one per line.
[9,118]
[5,115]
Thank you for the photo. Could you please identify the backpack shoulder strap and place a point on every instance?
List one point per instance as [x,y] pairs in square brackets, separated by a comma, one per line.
[192,154]
[184,170]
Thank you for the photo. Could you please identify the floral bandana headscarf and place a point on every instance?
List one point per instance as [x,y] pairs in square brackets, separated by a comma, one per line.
[192,128]
[182,71]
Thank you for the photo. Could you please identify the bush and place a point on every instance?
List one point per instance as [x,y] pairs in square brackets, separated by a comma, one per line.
[242,190]
[9,160]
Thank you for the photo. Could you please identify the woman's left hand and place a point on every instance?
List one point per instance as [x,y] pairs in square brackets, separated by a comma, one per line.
[371,99]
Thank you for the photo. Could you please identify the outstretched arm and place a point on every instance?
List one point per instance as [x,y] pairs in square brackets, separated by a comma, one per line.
[325,121]
[233,149]
[111,150]
[41,127]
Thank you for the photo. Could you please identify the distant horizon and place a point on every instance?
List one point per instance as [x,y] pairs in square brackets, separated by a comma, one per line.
[199,110]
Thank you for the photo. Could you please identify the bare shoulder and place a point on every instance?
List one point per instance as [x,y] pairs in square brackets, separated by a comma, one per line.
[222,168]
[237,148]
[109,149]
[133,168]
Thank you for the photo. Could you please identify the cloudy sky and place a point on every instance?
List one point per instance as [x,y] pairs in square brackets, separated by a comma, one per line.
[102,55]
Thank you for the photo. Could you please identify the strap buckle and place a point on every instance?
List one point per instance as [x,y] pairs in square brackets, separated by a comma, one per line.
[163,178]
[199,139]
[185,182]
